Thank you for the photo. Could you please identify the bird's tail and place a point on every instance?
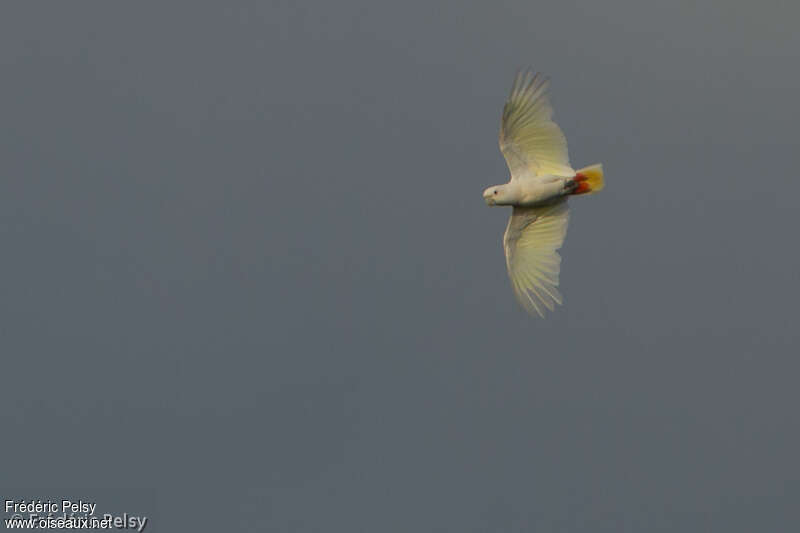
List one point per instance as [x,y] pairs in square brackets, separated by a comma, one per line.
[589,179]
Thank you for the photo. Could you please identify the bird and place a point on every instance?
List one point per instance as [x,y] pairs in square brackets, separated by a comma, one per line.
[541,182]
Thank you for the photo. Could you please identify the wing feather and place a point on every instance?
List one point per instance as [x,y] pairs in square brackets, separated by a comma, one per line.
[529,139]
[531,241]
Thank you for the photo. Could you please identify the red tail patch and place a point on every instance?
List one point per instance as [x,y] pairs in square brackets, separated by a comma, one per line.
[582,187]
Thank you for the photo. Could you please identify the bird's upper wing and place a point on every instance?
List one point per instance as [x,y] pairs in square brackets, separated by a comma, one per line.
[532,237]
[530,141]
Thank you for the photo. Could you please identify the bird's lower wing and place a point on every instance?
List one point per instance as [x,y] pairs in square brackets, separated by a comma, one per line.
[531,241]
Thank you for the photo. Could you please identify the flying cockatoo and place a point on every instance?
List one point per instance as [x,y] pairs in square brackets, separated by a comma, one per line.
[541,181]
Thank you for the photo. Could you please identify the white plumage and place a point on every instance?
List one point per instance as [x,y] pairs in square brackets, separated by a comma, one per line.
[529,139]
[541,180]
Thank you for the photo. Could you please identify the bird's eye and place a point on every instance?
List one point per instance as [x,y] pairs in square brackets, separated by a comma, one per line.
[495,192]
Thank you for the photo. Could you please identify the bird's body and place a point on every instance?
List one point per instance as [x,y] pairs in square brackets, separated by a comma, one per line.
[541,180]
[531,191]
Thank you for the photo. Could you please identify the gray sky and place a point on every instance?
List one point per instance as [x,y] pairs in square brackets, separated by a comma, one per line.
[247,265]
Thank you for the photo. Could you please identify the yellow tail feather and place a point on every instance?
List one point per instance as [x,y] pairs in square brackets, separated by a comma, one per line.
[590,179]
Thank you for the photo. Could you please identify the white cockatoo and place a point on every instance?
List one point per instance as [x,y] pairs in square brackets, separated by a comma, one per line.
[541,180]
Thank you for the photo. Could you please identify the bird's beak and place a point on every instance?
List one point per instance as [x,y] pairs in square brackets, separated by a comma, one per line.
[487,196]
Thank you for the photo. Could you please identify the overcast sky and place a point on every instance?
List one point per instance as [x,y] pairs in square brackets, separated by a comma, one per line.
[247,268]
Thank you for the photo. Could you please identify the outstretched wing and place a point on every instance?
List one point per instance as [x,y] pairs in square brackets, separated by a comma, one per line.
[532,237]
[530,141]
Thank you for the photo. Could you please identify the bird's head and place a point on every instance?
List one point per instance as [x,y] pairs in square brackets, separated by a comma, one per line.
[498,195]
